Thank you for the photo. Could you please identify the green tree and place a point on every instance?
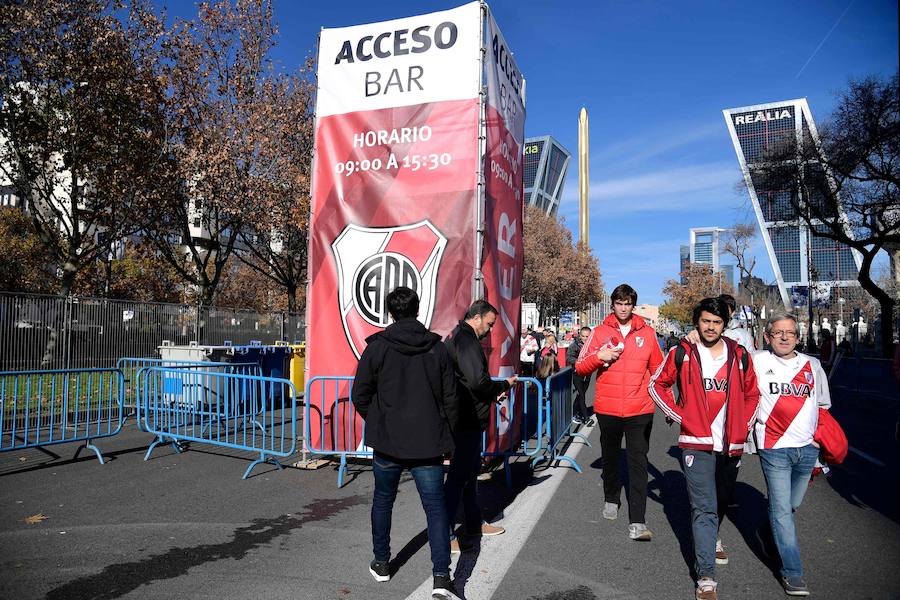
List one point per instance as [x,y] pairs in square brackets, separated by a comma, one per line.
[25,264]
[79,132]
[699,282]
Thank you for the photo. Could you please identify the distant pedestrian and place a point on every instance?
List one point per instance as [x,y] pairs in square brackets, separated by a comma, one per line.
[827,351]
[549,363]
[671,341]
[624,353]
[793,387]
[734,330]
[528,352]
[405,389]
[716,409]
[477,394]
[580,412]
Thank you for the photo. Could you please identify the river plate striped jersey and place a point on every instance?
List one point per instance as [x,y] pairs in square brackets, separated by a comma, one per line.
[791,390]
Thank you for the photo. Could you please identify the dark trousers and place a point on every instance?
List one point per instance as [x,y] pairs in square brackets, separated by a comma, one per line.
[527,369]
[710,478]
[636,430]
[429,477]
[462,480]
[579,404]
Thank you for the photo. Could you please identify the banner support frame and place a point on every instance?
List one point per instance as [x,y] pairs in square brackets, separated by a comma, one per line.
[481,141]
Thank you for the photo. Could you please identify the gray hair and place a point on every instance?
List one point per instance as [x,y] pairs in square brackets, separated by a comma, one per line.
[781,315]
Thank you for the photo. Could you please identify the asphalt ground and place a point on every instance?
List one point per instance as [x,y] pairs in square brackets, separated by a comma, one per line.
[185,525]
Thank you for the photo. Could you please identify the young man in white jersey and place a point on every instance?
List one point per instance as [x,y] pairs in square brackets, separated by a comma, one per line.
[715,410]
[792,388]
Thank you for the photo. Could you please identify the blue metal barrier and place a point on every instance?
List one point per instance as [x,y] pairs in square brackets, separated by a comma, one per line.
[243,412]
[327,398]
[41,408]
[559,417]
[524,407]
[129,366]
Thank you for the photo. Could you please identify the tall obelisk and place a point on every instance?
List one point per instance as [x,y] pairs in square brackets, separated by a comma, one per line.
[583,179]
[583,182]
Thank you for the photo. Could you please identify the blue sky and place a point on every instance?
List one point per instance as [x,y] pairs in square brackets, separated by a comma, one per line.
[654,77]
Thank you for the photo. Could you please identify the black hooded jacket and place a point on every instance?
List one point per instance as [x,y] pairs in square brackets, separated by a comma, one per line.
[405,389]
[476,390]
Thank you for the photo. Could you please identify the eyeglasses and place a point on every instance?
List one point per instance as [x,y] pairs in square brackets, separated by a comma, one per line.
[784,333]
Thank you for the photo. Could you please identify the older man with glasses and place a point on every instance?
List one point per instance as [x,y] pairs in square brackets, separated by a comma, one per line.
[792,388]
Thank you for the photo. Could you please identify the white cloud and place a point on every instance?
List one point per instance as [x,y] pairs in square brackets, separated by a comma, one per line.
[654,143]
[704,185]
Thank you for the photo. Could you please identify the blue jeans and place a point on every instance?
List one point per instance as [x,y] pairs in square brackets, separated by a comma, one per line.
[710,478]
[462,480]
[787,472]
[429,477]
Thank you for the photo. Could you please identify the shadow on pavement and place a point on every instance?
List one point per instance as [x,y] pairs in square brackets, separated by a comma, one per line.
[55,461]
[750,515]
[408,551]
[670,490]
[119,579]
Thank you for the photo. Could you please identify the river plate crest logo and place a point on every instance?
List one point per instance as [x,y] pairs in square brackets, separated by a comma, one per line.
[372,262]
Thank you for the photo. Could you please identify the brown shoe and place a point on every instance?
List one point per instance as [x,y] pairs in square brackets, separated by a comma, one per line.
[487,529]
[721,555]
[706,589]
[456,547]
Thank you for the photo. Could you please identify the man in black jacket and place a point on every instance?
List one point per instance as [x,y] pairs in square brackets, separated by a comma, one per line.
[477,394]
[405,389]
[580,411]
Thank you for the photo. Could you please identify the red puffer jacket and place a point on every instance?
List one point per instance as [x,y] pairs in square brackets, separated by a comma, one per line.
[621,387]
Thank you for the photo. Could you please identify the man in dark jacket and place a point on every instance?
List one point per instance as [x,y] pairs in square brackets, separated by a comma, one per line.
[477,394]
[580,412]
[405,389]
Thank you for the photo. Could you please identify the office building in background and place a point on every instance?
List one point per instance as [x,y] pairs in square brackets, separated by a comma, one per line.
[705,248]
[546,162]
[809,270]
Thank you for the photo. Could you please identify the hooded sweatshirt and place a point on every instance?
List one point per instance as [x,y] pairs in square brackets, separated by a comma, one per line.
[405,389]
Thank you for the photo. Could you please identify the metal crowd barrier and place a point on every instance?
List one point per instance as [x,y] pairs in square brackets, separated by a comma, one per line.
[239,411]
[559,418]
[41,408]
[514,419]
[129,366]
[331,424]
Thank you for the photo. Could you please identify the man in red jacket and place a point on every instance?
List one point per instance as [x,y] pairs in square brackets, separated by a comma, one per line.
[624,352]
[716,408]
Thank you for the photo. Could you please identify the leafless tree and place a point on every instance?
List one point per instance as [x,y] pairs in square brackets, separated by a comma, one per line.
[845,186]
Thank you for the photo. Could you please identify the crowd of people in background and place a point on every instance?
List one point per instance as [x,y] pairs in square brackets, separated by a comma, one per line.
[427,403]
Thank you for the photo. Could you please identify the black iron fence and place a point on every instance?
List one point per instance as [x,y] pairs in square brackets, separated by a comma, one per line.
[49,332]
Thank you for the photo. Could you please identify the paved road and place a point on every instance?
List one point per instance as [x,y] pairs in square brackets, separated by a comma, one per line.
[185,525]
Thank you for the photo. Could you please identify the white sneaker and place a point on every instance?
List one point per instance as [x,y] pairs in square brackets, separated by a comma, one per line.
[610,511]
[706,589]
[639,532]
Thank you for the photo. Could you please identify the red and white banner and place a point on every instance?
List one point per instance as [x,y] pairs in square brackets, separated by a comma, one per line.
[394,191]
[503,259]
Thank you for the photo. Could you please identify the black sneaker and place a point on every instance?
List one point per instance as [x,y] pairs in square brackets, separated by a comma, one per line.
[794,586]
[443,589]
[381,571]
